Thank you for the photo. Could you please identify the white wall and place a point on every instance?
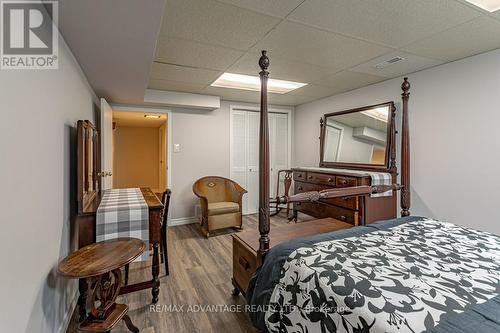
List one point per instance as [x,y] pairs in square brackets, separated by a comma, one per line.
[204,139]
[455,142]
[39,110]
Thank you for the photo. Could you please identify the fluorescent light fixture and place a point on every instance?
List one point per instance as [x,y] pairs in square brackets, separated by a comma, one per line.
[152,116]
[489,5]
[381,114]
[248,82]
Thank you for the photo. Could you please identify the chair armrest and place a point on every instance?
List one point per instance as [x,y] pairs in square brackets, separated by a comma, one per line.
[237,194]
[203,201]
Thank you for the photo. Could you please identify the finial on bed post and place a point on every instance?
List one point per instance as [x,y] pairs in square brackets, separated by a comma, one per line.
[263,160]
[405,152]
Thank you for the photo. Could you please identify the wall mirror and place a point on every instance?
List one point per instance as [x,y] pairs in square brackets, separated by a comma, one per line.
[358,138]
[87,163]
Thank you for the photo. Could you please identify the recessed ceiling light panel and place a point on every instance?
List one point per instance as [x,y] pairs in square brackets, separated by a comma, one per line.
[248,82]
[489,5]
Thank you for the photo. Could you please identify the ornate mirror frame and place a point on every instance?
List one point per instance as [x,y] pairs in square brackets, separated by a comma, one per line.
[88,164]
[390,151]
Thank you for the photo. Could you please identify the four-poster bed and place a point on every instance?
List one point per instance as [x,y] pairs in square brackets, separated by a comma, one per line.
[407,274]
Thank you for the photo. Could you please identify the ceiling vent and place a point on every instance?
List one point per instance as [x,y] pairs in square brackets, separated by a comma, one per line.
[389,62]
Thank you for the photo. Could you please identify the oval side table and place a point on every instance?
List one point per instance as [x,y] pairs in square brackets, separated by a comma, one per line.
[100,264]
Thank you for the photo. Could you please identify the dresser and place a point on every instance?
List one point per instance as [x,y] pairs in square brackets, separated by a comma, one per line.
[349,210]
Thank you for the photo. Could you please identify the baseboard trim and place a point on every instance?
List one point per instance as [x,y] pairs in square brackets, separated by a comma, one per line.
[69,314]
[182,221]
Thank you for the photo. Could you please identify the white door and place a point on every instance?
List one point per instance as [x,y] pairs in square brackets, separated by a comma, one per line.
[106,145]
[238,151]
[245,128]
[252,167]
[278,146]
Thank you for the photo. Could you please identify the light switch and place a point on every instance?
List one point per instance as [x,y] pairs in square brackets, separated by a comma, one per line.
[177,147]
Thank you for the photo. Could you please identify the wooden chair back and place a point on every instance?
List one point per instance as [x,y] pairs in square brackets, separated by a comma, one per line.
[165,200]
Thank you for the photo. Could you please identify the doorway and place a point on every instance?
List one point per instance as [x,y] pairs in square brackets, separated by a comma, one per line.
[140,148]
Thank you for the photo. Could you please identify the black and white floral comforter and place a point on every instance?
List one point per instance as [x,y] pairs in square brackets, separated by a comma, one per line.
[413,277]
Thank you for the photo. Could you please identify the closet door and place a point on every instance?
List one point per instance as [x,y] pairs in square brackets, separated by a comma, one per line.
[278,146]
[245,128]
[253,131]
[239,150]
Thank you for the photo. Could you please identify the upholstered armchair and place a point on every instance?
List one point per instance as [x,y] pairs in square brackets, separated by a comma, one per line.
[221,203]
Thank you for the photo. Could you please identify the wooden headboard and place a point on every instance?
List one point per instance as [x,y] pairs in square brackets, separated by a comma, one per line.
[264,224]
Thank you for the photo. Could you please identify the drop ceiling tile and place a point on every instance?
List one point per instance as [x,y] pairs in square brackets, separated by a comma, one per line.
[389,22]
[281,68]
[216,23]
[411,63]
[468,39]
[321,48]
[183,74]
[175,86]
[233,94]
[347,80]
[288,99]
[190,53]
[280,8]
[313,90]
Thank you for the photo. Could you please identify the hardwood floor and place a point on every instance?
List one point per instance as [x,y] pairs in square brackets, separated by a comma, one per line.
[200,275]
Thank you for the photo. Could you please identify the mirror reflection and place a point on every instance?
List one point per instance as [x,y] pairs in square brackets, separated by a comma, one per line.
[357,137]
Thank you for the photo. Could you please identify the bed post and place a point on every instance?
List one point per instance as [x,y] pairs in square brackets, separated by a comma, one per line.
[263,160]
[405,152]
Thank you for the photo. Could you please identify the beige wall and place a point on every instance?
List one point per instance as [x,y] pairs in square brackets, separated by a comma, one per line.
[136,157]
[454,108]
[39,110]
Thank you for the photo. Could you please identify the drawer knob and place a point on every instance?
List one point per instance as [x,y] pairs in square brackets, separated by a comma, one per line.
[310,177]
[300,188]
[330,180]
[343,218]
[299,175]
[244,263]
[344,181]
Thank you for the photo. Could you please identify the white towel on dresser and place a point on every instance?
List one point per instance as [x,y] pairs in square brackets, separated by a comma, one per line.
[123,213]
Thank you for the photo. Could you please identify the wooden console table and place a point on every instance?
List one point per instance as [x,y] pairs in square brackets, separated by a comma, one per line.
[246,245]
[86,230]
[100,264]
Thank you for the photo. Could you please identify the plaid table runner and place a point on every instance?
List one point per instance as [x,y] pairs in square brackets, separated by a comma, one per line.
[123,213]
[378,178]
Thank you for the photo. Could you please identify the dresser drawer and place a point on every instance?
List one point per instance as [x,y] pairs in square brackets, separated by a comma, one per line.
[299,176]
[349,203]
[244,263]
[343,181]
[320,211]
[321,178]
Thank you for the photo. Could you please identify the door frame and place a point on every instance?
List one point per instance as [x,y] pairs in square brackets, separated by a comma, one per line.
[143,109]
[255,108]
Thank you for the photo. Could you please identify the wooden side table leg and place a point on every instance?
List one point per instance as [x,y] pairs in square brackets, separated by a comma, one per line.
[128,322]
[82,299]
[155,291]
